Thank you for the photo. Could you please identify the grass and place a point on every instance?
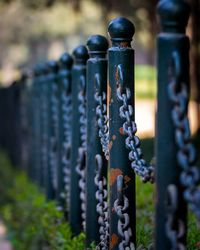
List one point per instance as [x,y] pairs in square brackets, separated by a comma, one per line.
[145,204]
[145,82]
[145,209]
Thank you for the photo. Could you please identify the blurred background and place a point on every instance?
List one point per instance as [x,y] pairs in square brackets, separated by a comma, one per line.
[36,30]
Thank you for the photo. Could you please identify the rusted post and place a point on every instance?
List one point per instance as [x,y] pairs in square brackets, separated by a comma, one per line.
[121,81]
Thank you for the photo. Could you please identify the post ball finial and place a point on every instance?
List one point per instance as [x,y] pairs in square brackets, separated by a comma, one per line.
[80,54]
[174,15]
[121,29]
[52,66]
[97,44]
[66,60]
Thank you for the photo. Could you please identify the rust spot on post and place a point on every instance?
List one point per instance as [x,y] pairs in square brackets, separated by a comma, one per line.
[114,172]
[113,241]
[121,131]
[114,137]
[125,44]
[109,93]
[117,75]
[127,178]
[110,145]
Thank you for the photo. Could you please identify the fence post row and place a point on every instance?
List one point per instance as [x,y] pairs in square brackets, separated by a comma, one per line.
[77,134]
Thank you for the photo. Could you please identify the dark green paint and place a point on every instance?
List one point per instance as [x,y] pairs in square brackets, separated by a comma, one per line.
[121,53]
[97,64]
[78,70]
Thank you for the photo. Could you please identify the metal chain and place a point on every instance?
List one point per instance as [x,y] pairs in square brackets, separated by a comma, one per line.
[175,228]
[80,168]
[138,164]
[66,111]
[102,205]
[186,155]
[102,119]
[121,205]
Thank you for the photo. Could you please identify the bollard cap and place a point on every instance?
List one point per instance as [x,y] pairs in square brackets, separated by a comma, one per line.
[66,60]
[80,54]
[37,70]
[174,15]
[97,44]
[121,30]
[52,66]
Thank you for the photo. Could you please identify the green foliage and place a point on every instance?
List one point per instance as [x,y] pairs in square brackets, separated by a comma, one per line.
[32,222]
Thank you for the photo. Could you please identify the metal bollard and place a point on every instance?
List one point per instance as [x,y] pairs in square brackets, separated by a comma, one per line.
[65,110]
[121,87]
[96,85]
[52,129]
[78,78]
[172,61]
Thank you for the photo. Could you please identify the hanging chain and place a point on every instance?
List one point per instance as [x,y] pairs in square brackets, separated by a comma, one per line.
[126,112]
[186,155]
[66,111]
[54,135]
[80,168]
[175,228]
[102,205]
[102,119]
[100,180]
[121,206]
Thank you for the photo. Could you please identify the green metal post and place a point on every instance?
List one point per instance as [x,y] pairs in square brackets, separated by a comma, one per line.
[96,81]
[36,124]
[51,182]
[173,17]
[78,72]
[44,124]
[64,78]
[121,76]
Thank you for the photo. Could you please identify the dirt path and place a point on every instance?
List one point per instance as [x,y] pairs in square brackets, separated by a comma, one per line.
[145,117]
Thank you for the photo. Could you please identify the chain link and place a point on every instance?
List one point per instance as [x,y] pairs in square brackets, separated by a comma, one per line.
[175,228]
[102,205]
[186,155]
[139,165]
[121,206]
[80,168]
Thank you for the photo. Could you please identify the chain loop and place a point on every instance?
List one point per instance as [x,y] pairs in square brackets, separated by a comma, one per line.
[102,205]
[175,228]
[186,155]
[126,112]
[121,206]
